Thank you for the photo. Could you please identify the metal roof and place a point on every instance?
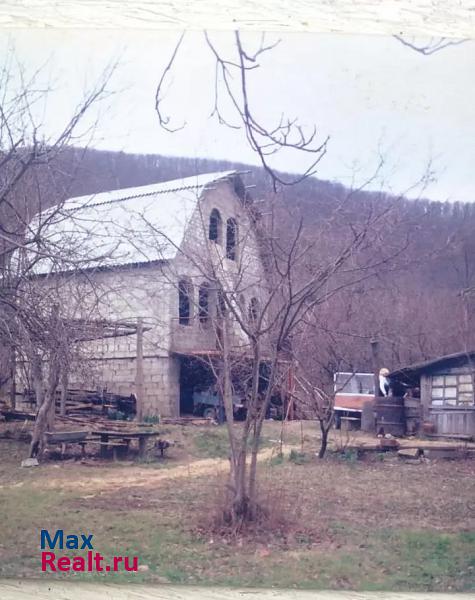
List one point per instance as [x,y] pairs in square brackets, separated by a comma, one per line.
[449,360]
[121,227]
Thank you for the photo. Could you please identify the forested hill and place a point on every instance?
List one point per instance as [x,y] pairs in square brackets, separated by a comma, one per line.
[104,170]
[98,171]
[419,304]
[422,306]
[314,200]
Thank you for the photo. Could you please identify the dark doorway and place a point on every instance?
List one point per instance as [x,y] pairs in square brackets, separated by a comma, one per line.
[195,376]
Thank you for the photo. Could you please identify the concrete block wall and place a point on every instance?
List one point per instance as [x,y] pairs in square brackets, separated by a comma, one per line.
[151,292]
[245,277]
[161,390]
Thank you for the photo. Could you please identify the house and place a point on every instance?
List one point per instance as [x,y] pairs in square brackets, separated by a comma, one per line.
[440,391]
[162,255]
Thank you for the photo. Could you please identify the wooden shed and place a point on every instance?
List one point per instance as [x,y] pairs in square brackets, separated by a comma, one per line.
[444,389]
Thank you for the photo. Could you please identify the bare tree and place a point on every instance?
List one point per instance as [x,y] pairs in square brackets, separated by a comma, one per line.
[430,46]
[33,189]
[256,313]
[316,403]
[297,281]
[233,108]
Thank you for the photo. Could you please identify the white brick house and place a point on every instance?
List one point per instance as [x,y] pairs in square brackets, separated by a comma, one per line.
[152,252]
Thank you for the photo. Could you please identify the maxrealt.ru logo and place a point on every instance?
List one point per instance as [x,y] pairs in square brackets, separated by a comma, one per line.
[92,561]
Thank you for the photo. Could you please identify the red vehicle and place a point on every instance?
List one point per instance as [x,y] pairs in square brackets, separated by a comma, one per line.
[352,390]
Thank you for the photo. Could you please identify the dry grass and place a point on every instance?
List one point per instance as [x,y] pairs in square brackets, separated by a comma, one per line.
[380,523]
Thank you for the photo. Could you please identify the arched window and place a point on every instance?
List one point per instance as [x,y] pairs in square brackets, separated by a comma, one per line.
[253,310]
[203,303]
[231,238]
[215,226]
[185,292]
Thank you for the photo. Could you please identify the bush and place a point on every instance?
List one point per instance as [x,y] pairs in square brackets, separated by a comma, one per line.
[298,458]
[277,459]
[349,454]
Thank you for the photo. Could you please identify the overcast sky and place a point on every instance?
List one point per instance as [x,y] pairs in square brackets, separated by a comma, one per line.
[371,95]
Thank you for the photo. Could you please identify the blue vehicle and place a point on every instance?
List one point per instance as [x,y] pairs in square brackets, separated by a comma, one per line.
[209,404]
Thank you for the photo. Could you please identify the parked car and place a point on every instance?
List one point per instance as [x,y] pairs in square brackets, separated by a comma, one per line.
[209,404]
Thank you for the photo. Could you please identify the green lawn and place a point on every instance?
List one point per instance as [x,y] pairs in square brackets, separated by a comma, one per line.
[376,525]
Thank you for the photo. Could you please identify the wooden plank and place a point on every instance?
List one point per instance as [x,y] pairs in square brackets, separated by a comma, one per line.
[139,381]
[66,436]
[409,452]
[457,436]
[437,453]
[99,443]
[18,415]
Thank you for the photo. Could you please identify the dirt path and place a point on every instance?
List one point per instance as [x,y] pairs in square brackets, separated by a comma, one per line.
[139,476]
[50,590]
[107,478]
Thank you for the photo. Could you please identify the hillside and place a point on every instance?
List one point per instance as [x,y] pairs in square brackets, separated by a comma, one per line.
[418,304]
[417,309]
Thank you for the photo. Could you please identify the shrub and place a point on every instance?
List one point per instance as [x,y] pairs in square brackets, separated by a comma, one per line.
[298,458]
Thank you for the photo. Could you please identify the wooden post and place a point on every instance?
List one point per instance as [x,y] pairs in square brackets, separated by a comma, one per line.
[376,367]
[139,384]
[291,389]
[142,446]
[64,391]
[13,380]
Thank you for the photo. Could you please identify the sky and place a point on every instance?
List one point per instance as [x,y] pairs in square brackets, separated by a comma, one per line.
[371,95]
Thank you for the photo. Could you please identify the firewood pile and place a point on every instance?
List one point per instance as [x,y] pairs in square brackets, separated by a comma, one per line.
[90,403]
[185,421]
[98,423]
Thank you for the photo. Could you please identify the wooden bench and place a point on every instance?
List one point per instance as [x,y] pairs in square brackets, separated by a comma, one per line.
[124,436]
[63,438]
[114,445]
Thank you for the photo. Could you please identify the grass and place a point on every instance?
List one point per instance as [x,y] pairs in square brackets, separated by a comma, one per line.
[137,535]
[387,562]
[212,443]
[377,525]
[298,458]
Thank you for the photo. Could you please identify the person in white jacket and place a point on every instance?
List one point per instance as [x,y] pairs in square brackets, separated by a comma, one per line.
[384,381]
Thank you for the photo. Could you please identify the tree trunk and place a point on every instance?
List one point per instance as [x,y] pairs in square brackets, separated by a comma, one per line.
[258,428]
[238,447]
[259,413]
[240,500]
[45,416]
[5,369]
[325,430]
[64,391]
[253,467]
[36,373]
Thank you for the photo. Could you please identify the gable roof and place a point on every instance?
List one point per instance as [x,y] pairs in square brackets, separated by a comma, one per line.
[121,227]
